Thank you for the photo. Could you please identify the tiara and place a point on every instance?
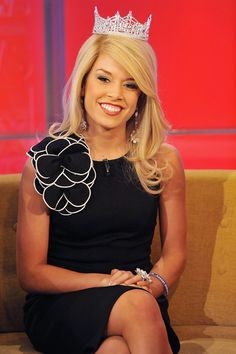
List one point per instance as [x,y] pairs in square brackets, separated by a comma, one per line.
[127,25]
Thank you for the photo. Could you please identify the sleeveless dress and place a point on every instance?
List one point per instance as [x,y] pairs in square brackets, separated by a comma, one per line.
[100,219]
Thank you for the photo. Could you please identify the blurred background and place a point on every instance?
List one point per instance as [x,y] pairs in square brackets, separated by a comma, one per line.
[195,43]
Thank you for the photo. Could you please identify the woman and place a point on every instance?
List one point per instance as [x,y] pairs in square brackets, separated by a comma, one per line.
[88,207]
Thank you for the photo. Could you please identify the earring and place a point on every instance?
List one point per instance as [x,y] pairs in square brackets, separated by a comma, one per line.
[83,124]
[133,138]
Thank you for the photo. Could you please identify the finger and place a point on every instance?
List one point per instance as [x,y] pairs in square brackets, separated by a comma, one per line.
[133,285]
[133,280]
[143,283]
[147,288]
[114,271]
[144,287]
[120,277]
[116,274]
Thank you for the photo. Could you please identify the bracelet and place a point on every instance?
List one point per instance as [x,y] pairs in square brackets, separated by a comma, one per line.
[163,282]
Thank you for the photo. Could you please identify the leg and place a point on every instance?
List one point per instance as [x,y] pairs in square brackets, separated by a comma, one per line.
[136,317]
[63,323]
[113,345]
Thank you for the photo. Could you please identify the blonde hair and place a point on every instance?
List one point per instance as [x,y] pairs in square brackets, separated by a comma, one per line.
[139,60]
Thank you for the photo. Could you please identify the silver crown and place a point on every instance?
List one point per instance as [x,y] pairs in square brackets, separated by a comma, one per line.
[127,25]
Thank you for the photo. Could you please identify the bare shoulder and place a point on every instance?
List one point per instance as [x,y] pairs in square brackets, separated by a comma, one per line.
[170,153]
[28,175]
[175,169]
[171,156]
[28,168]
[28,193]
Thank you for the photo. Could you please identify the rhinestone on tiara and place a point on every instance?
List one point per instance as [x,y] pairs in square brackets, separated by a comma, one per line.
[127,25]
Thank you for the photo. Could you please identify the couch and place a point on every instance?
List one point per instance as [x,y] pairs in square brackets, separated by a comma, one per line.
[202,304]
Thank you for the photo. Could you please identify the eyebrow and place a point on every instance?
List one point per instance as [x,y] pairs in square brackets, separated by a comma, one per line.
[108,73]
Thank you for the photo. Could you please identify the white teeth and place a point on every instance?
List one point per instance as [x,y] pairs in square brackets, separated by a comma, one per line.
[111,108]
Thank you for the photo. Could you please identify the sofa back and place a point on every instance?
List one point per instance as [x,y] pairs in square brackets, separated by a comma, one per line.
[206,292]
[11,296]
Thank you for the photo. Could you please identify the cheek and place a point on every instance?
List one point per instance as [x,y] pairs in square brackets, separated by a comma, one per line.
[90,96]
[93,92]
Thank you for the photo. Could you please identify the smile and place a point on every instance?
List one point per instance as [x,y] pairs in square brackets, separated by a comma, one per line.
[108,108]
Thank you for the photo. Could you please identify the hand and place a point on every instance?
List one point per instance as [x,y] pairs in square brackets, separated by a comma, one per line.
[122,277]
[119,277]
[145,285]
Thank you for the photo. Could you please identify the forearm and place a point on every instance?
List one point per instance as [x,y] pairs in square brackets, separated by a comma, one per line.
[51,279]
[170,268]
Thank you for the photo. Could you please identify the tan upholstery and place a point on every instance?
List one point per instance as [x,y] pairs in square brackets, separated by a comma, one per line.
[202,305]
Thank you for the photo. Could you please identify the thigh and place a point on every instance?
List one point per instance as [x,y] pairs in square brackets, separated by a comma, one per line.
[113,345]
[67,323]
[71,322]
[132,306]
[58,324]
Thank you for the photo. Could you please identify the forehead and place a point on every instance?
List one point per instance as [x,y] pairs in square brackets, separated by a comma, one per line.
[107,63]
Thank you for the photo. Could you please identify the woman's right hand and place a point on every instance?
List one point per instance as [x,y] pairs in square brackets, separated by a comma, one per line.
[123,277]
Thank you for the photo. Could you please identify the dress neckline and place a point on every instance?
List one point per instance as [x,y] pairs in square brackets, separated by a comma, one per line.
[110,160]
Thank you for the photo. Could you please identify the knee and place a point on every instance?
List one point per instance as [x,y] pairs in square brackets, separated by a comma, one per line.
[143,306]
[113,345]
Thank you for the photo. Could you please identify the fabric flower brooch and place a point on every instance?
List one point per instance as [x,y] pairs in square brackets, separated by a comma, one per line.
[64,173]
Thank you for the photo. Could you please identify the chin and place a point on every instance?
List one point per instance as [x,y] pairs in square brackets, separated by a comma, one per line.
[110,125]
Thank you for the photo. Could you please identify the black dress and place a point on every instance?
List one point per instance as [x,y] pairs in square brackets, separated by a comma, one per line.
[100,219]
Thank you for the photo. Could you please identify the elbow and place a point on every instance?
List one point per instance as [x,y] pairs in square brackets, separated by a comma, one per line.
[24,283]
[27,282]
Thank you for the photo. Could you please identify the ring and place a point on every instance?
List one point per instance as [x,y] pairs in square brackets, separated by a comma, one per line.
[143,274]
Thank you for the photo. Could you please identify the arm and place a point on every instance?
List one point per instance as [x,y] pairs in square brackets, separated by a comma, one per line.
[172,224]
[34,274]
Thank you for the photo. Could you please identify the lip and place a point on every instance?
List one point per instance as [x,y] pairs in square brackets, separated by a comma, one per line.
[109,112]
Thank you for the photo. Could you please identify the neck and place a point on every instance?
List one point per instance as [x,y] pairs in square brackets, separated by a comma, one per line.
[106,144]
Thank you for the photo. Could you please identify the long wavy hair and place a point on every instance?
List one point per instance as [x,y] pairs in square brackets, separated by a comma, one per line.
[138,59]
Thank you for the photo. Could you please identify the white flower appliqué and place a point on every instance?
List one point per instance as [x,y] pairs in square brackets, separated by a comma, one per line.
[64,173]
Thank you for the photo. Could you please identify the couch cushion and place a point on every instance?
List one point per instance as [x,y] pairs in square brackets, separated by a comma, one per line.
[15,343]
[11,296]
[207,339]
[203,331]
[208,346]
[206,292]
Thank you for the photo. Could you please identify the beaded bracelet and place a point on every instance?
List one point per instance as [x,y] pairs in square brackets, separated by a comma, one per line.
[163,282]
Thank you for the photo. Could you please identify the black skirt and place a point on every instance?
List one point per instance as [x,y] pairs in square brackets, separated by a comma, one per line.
[75,322]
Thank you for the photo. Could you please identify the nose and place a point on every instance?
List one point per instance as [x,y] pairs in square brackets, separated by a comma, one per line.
[115,92]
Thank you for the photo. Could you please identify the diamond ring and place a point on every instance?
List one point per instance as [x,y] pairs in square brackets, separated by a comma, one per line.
[143,274]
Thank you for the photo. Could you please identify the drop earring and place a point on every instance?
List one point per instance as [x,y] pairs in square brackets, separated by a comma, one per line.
[83,123]
[133,136]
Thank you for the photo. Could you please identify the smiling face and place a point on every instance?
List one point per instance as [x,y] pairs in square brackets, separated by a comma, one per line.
[110,95]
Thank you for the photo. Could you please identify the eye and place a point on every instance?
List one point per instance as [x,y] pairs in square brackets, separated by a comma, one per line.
[103,78]
[131,85]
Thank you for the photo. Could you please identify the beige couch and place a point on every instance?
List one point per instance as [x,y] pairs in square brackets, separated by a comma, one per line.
[203,303]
